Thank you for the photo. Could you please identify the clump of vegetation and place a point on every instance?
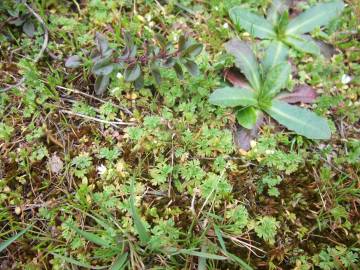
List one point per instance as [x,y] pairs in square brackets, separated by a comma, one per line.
[266,81]
[150,178]
[284,32]
[107,60]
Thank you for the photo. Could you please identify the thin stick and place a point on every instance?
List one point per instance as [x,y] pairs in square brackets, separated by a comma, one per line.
[112,123]
[126,110]
[41,52]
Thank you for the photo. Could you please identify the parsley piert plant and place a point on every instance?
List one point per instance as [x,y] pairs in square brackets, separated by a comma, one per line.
[266,81]
[285,32]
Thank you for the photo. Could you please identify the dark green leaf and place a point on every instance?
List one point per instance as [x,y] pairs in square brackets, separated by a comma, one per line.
[245,60]
[316,16]
[192,67]
[179,71]
[29,28]
[254,24]
[232,97]
[101,43]
[139,82]
[156,74]
[170,62]
[193,50]
[302,121]
[103,67]
[132,73]
[73,61]
[101,84]
[181,43]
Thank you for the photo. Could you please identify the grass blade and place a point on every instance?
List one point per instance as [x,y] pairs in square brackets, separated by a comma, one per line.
[90,236]
[139,226]
[75,262]
[12,239]
[120,262]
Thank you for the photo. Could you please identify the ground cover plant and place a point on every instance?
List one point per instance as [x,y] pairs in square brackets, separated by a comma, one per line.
[102,170]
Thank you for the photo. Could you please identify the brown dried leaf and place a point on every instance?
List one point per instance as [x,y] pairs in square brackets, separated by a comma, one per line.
[55,164]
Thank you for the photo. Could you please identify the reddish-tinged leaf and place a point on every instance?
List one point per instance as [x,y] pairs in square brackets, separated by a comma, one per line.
[243,136]
[236,78]
[301,93]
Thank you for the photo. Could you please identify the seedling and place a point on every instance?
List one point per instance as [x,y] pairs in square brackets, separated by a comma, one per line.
[266,81]
[283,31]
[107,60]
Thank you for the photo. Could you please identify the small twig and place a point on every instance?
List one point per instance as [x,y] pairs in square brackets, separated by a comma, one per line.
[112,123]
[126,110]
[41,52]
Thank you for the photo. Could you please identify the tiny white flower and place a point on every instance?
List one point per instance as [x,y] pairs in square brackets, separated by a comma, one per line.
[345,79]
[269,152]
[253,143]
[101,169]
[226,25]
[119,75]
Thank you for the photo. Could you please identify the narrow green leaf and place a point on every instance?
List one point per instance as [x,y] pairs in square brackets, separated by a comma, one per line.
[275,53]
[276,79]
[252,23]
[90,236]
[232,97]
[101,84]
[181,43]
[316,16]
[192,67]
[120,262]
[302,121]
[156,74]
[179,71]
[220,238]
[8,242]
[201,254]
[247,117]
[76,262]
[276,9]
[241,262]
[234,258]
[304,44]
[139,82]
[245,60]
[193,50]
[139,226]
[132,73]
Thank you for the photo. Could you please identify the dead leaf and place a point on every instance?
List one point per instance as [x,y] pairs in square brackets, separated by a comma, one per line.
[236,78]
[301,93]
[244,136]
[55,164]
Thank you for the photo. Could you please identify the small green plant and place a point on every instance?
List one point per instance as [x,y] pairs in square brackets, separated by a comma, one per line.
[266,81]
[283,31]
[107,60]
